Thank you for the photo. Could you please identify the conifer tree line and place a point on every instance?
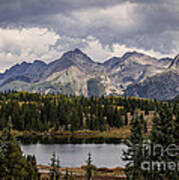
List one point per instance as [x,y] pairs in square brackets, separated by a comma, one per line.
[32,111]
[24,111]
[13,164]
[157,156]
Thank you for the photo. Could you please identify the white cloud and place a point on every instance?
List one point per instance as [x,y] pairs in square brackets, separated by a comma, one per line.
[118,49]
[26,44]
[96,50]
[99,52]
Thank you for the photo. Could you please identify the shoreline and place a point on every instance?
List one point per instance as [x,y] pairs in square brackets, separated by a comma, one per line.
[113,136]
[79,172]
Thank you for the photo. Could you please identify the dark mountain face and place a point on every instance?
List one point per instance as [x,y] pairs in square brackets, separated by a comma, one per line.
[109,64]
[35,69]
[17,69]
[24,71]
[163,87]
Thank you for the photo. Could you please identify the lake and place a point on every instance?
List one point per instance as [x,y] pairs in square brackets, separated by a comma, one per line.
[75,155]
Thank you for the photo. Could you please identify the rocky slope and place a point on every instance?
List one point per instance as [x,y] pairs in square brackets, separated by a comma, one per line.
[163,85]
[134,74]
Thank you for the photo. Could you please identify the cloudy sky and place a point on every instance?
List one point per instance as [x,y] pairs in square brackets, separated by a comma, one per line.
[45,29]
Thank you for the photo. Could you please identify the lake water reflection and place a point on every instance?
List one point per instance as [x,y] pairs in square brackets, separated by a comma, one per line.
[75,155]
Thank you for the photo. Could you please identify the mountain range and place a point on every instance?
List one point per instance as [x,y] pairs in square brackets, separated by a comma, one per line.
[133,74]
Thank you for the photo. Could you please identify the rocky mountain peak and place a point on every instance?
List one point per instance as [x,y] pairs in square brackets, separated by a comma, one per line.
[39,62]
[132,53]
[76,56]
[78,51]
[73,52]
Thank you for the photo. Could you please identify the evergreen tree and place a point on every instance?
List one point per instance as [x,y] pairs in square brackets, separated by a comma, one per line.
[126,119]
[54,168]
[143,121]
[13,165]
[163,134]
[66,174]
[89,167]
[71,175]
[176,135]
[134,154]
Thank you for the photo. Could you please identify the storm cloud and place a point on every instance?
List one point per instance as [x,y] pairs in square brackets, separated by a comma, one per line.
[101,28]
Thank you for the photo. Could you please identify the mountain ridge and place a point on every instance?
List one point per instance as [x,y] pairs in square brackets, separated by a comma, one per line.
[76,73]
